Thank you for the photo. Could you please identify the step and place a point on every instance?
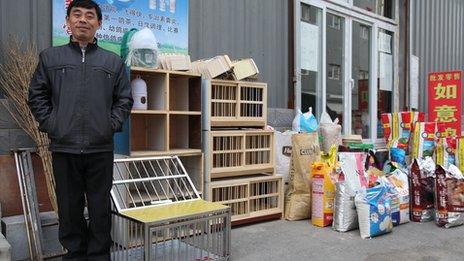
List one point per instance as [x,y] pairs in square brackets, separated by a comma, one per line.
[5,249]
[14,230]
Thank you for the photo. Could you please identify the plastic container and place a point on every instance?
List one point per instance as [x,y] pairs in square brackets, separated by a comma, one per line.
[139,94]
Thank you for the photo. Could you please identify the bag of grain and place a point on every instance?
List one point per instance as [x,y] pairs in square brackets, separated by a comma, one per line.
[373,206]
[323,191]
[331,132]
[305,151]
[351,180]
[283,153]
[421,180]
[449,197]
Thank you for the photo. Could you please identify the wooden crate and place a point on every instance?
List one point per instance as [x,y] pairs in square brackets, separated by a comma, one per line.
[236,103]
[172,123]
[232,153]
[250,197]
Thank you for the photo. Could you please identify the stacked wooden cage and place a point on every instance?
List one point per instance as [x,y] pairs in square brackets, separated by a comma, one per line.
[239,152]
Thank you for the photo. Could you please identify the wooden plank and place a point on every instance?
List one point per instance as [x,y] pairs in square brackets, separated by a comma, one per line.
[149,112]
[174,73]
[180,152]
[138,137]
[185,132]
[238,221]
[157,91]
[226,122]
[185,112]
[241,132]
[179,94]
[233,83]
[194,94]
[156,132]
[194,166]
[194,128]
[238,171]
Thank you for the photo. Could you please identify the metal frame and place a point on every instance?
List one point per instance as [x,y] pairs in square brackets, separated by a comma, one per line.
[205,234]
[175,184]
[29,201]
[189,238]
[351,13]
[30,205]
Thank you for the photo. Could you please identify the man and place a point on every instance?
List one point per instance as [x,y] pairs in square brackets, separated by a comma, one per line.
[80,95]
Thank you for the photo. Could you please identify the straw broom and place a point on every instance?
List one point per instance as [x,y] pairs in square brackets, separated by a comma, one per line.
[15,74]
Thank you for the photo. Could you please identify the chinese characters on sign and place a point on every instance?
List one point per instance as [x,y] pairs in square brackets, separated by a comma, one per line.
[445,100]
[168,19]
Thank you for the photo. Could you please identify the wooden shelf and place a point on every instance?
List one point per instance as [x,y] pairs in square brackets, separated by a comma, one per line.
[160,71]
[171,125]
[185,93]
[148,112]
[185,112]
[184,132]
[173,118]
[148,132]
[184,152]
[157,91]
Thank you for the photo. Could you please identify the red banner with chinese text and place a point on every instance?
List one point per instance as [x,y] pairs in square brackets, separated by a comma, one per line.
[445,100]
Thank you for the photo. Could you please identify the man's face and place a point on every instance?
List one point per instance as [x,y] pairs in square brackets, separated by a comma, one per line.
[83,23]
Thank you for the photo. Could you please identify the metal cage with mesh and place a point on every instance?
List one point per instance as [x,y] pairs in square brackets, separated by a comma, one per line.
[159,215]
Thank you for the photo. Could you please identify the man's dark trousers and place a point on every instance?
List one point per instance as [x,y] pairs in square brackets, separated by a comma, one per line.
[77,177]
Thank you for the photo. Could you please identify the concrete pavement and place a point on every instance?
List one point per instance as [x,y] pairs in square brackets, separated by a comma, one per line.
[299,240]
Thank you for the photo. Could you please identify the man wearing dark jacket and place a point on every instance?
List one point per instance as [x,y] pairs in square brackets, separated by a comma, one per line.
[80,95]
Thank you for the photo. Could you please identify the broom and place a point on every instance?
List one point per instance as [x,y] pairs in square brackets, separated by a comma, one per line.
[15,74]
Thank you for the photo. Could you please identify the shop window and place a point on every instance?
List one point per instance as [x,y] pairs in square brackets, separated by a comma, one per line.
[363,75]
[335,44]
[385,76]
[333,72]
[381,7]
[361,89]
[334,21]
[364,32]
[311,59]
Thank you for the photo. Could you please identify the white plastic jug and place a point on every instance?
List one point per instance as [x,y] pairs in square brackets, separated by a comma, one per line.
[139,94]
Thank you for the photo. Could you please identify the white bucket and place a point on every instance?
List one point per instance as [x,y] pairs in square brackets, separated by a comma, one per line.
[139,94]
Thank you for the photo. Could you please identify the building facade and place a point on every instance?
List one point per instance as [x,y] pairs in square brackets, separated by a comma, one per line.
[349,57]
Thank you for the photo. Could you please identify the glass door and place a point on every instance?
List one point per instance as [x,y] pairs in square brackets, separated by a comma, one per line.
[311,69]
[335,67]
[360,84]
[345,63]
[386,75]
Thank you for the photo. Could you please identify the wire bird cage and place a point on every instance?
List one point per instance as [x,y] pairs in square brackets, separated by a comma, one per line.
[159,215]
